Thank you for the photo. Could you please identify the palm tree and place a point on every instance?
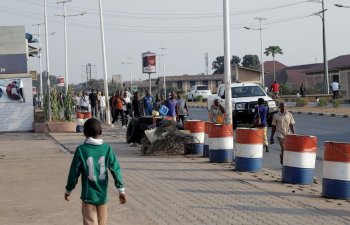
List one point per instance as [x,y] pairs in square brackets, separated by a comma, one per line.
[273,50]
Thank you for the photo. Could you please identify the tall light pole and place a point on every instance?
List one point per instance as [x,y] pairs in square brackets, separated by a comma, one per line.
[40,65]
[63,2]
[321,14]
[104,63]
[261,49]
[164,84]
[47,62]
[129,63]
[227,55]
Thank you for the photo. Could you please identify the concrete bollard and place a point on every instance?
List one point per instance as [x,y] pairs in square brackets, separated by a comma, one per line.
[299,159]
[221,143]
[249,149]
[336,170]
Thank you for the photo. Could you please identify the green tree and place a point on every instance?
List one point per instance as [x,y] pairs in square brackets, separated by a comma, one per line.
[251,61]
[218,65]
[273,50]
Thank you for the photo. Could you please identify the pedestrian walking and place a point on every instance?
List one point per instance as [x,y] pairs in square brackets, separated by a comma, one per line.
[275,88]
[126,106]
[335,88]
[84,102]
[217,113]
[260,120]
[171,103]
[137,105]
[181,108]
[148,103]
[282,124]
[102,107]
[91,161]
[93,102]
[302,90]
[118,103]
[76,102]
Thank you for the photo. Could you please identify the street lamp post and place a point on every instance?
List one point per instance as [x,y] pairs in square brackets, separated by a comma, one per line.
[63,2]
[227,63]
[321,14]
[47,62]
[129,63]
[164,83]
[104,63]
[40,65]
[261,49]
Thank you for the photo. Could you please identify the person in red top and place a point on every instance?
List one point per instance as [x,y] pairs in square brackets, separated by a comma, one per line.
[275,88]
[118,103]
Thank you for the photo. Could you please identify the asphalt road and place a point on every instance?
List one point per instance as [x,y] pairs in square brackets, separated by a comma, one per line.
[325,128]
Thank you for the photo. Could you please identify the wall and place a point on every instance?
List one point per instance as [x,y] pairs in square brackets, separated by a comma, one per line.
[18,116]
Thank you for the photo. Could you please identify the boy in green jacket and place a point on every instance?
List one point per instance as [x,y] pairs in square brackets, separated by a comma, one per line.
[91,160]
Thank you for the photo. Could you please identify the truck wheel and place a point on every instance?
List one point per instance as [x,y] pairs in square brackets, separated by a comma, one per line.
[132,132]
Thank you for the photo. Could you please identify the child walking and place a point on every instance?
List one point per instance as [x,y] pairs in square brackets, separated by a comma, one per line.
[91,160]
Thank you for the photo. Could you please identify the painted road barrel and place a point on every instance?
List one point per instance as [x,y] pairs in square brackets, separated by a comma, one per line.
[299,159]
[80,122]
[249,149]
[336,170]
[221,143]
[206,138]
[197,128]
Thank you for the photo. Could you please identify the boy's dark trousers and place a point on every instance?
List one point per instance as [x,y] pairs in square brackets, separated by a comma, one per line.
[117,112]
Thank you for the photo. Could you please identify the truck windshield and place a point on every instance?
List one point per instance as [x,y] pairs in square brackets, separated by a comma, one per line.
[247,91]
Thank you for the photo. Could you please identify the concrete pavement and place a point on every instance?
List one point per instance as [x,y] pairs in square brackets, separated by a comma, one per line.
[171,190]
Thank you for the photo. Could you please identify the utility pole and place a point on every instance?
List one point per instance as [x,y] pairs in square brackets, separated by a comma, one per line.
[164,84]
[206,60]
[325,63]
[227,53]
[47,61]
[40,65]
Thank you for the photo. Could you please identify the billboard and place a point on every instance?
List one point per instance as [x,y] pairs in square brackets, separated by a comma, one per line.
[149,62]
[11,90]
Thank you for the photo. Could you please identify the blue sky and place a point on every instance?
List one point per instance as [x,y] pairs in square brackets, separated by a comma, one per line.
[186,28]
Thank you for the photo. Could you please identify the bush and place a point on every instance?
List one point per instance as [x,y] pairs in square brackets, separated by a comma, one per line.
[336,103]
[199,98]
[322,102]
[302,102]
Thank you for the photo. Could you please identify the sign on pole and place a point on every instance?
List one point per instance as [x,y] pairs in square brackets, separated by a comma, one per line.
[149,62]
[60,81]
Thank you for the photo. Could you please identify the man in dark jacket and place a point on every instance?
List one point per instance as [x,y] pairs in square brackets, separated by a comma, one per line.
[93,102]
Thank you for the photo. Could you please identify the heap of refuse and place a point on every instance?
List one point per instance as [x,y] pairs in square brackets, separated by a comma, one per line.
[166,139]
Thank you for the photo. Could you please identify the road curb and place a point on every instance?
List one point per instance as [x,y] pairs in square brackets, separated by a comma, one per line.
[302,113]
[60,145]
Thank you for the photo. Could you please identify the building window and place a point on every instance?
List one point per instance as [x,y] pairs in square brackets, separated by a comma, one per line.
[179,85]
[192,83]
[205,82]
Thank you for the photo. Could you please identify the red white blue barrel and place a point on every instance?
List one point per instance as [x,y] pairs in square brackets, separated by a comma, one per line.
[221,143]
[299,159]
[206,138]
[80,122]
[197,128]
[249,149]
[336,170]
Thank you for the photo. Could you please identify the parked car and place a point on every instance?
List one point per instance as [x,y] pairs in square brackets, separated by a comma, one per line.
[198,90]
[244,97]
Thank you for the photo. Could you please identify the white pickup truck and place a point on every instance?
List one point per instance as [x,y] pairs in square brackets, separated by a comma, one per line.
[244,100]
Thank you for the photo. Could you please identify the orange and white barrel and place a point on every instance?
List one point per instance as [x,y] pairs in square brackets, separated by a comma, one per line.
[206,138]
[249,149]
[336,170]
[299,159]
[221,143]
[197,128]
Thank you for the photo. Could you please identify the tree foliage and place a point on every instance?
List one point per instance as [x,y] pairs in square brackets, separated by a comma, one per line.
[251,61]
[273,50]
[219,67]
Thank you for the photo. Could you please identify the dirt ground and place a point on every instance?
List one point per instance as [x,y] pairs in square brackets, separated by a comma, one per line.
[32,185]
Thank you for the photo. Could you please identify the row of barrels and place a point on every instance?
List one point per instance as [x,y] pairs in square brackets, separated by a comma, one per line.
[216,141]
[82,116]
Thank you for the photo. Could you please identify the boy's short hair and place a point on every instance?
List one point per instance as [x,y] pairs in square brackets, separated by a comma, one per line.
[92,128]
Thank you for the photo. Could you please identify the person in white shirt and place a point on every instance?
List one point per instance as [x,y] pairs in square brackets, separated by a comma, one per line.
[102,107]
[335,88]
[84,102]
[77,102]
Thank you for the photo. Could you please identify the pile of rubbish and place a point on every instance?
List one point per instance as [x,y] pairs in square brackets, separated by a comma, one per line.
[166,139]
